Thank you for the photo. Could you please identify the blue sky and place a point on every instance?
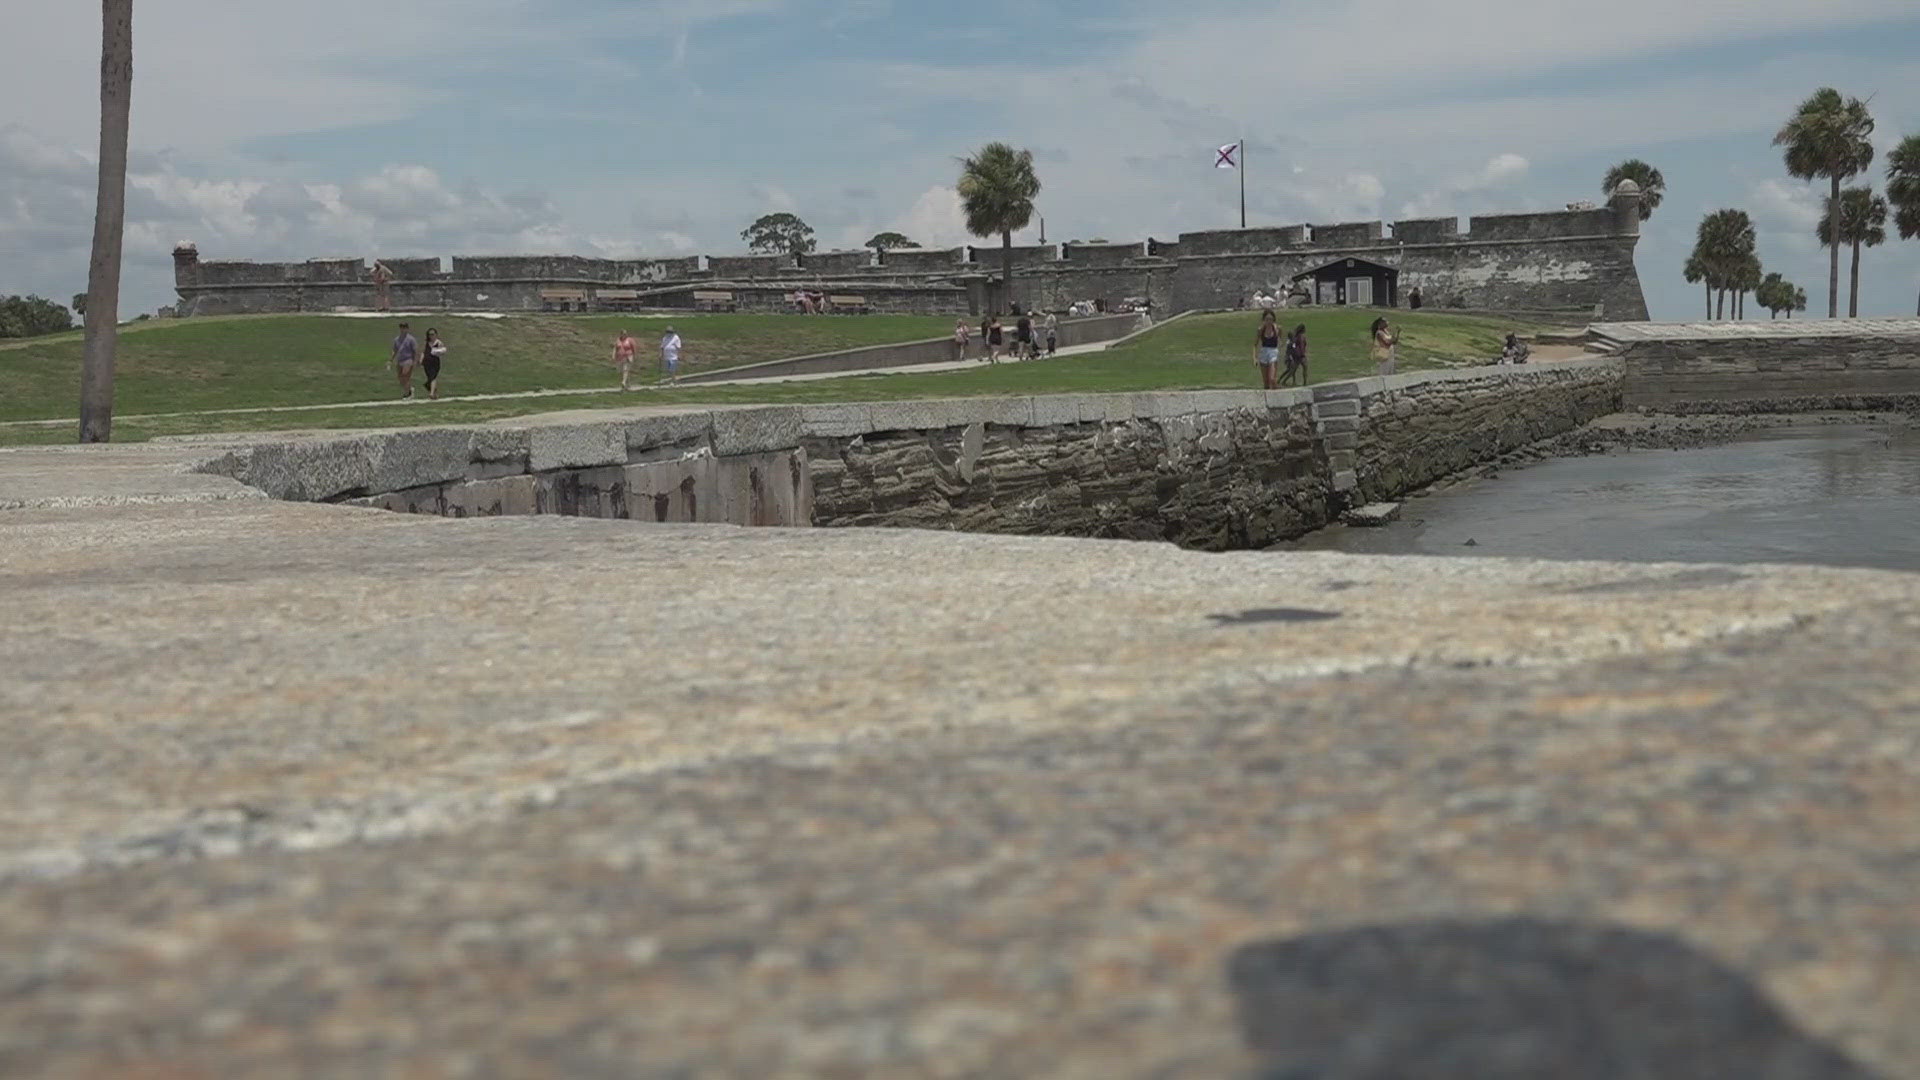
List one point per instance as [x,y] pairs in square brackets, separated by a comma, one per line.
[622,127]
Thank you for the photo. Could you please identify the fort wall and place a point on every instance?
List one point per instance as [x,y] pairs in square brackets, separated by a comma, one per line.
[1573,260]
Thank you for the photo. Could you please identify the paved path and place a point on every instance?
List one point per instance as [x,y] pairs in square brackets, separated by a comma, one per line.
[309,790]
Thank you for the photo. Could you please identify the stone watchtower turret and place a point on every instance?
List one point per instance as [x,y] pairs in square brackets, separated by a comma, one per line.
[186,263]
[1626,208]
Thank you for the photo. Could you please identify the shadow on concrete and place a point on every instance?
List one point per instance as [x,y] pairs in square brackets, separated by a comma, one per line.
[1503,999]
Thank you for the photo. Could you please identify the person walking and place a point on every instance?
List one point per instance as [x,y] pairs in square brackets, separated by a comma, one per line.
[1023,337]
[1386,348]
[406,353]
[1266,349]
[1296,356]
[670,346]
[995,338]
[623,349]
[1053,333]
[959,339]
[430,362]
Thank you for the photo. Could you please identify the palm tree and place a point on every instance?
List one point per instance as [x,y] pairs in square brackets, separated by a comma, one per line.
[1777,294]
[1828,137]
[1799,302]
[1696,272]
[1903,188]
[109,222]
[1861,219]
[1725,244]
[1652,184]
[1743,277]
[997,188]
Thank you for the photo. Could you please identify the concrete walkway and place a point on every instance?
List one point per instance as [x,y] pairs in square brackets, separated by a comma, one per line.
[294,789]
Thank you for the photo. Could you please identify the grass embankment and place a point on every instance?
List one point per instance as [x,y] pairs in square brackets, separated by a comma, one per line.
[200,364]
[1200,352]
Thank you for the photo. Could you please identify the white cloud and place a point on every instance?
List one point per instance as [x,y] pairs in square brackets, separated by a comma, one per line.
[773,196]
[1503,169]
[935,219]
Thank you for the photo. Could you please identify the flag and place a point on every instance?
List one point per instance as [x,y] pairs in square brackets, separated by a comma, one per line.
[1227,156]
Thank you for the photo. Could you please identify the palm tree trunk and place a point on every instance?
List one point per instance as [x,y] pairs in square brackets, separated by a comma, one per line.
[1723,304]
[1709,289]
[1853,289]
[1006,265]
[109,221]
[1833,253]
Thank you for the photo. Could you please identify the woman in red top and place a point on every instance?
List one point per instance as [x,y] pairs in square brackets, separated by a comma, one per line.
[623,358]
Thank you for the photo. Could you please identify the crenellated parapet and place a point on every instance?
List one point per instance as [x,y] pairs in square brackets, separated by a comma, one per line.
[1576,257]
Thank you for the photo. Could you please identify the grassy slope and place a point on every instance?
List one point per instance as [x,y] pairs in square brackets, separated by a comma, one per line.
[193,364]
[1200,352]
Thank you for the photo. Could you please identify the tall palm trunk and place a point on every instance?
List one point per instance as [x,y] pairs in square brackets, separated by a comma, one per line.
[1723,304]
[109,221]
[1853,288]
[1833,253]
[1709,288]
[1006,265]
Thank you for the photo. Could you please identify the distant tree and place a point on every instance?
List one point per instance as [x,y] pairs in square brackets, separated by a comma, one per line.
[1799,302]
[109,222]
[31,316]
[1861,219]
[1696,273]
[1828,136]
[1777,294]
[1903,188]
[1745,278]
[779,234]
[1652,185]
[1724,246]
[997,188]
[79,304]
[889,241]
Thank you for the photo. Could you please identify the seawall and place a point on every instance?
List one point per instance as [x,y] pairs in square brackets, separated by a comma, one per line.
[1205,469]
[1792,366]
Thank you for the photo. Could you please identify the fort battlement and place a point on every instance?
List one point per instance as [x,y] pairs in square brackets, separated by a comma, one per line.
[1571,259]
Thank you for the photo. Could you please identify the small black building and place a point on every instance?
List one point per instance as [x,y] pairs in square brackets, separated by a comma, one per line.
[1352,283]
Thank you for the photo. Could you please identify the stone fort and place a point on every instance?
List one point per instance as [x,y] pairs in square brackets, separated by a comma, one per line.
[1577,262]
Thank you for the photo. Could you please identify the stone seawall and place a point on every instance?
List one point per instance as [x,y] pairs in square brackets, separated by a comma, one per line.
[1208,469]
[1797,366]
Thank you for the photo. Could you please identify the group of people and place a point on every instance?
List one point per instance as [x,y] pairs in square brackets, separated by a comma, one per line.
[410,355]
[1029,337]
[624,348]
[1270,347]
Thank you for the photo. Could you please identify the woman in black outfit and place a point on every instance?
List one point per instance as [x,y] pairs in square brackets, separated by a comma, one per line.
[434,349]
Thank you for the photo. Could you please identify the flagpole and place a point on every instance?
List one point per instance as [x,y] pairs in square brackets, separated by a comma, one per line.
[1243,183]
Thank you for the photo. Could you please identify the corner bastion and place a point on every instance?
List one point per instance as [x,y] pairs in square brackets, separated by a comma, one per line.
[1575,264]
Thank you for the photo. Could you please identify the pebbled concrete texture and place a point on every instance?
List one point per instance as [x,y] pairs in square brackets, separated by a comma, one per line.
[312,790]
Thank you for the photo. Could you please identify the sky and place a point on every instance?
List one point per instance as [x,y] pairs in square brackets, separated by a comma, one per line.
[282,130]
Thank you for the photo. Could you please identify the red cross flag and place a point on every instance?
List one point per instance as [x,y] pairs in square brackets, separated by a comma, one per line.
[1228,155]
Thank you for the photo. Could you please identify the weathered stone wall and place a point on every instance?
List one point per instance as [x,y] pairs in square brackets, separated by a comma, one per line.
[1577,259]
[1208,469]
[1417,428]
[1209,478]
[1773,367]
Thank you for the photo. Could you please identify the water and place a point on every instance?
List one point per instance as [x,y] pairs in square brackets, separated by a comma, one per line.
[1835,495]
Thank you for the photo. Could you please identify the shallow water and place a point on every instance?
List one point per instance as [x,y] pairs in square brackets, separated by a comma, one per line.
[1837,495]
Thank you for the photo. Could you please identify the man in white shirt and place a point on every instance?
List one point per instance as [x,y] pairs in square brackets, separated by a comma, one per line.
[670,355]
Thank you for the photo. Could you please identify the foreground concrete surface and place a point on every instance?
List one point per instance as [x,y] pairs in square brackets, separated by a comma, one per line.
[324,791]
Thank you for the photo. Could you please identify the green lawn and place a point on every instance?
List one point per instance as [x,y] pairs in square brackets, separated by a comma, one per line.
[230,363]
[1200,352]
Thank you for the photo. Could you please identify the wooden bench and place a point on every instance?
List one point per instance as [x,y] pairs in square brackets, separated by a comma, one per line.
[563,299]
[617,299]
[847,303]
[713,300]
